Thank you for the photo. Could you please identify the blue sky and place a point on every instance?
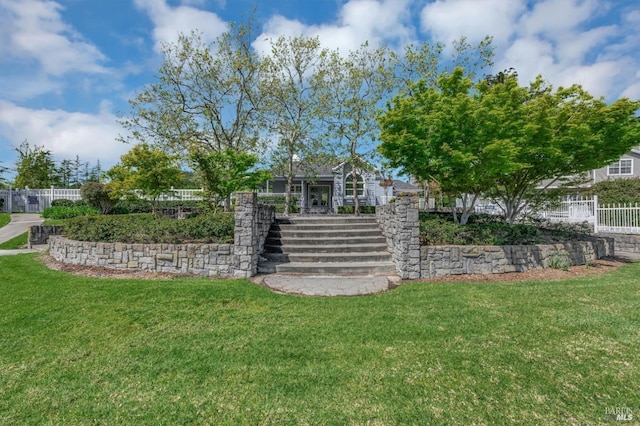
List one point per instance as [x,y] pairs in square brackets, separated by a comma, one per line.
[68,67]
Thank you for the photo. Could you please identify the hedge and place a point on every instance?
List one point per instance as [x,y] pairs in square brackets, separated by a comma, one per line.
[66,212]
[152,229]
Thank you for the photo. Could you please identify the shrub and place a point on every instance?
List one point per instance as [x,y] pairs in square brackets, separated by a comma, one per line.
[438,229]
[66,212]
[96,195]
[142,206]
[1,203]
[279,202]
[352,209]
[63,202]
[616,191]
[149,229]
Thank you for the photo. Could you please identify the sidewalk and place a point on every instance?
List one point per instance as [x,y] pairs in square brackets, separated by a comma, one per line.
[19,224]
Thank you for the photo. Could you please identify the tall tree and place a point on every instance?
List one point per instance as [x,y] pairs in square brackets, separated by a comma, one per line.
[427,61]
[225,172]
[551,134]
[206,97]
[64,173]
[354,88]
[145,172]
[96,172]
[434,134]
[3,181]
[292,110]
[502,140]
[35,167]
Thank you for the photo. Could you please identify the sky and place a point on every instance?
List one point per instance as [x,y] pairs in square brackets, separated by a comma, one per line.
[69,67]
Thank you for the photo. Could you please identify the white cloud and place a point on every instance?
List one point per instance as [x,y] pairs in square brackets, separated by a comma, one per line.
[448,20]
[561,40]
[65,134]
[375,21]
[169,22]
[557,17]
[33,30]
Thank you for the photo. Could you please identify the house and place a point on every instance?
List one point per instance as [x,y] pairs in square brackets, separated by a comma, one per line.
[322,189]
[628,166]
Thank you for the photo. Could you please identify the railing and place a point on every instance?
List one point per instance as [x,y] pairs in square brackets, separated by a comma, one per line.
[620,219]
[571,211]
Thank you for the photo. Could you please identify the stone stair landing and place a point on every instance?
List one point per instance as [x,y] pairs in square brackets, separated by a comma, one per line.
[326,245]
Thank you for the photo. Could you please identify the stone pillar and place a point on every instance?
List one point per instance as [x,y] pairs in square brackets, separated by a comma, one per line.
[406,250]
[246,235]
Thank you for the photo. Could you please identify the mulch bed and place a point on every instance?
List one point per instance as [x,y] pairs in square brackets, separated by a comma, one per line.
[596,267]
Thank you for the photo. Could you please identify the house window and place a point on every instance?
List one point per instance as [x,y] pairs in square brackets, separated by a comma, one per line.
[348,186]
[621,167]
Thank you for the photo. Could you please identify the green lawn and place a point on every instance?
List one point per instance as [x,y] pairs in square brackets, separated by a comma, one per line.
[4,219]
[15,243]
[76,350]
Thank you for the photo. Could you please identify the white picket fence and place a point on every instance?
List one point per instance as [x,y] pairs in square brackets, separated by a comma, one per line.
[571,211]
[621,218]
[36,200]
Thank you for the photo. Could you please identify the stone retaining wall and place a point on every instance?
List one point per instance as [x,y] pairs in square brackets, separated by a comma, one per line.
[624,242]
[199,259]
[239,259]
[399,222]
[400,225]
[39,234]
[439,261]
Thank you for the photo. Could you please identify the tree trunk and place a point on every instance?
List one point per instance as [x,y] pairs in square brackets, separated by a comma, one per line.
[356,201]
[467,207]
[287,196]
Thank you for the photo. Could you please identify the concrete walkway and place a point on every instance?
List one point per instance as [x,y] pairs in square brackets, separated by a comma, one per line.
[329,285]
[19,224]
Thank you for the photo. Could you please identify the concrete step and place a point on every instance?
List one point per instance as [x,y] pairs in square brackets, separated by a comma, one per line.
[346,247]
[328,233]
[335,241]
[331,245]
[329,257]
[334,219]
[325,226]
[355,268]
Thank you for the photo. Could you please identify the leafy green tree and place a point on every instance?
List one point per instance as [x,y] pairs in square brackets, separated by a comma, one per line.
[427,61]
[35,167]
[97,195]
[502,140]
[292,86]
[227,171]
[551,134]
[206,98]
[353,90]
[144,172]
[616,191]
[432,135]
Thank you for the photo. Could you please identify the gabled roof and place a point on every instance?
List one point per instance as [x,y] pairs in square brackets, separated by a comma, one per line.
[400,186]
[317,170]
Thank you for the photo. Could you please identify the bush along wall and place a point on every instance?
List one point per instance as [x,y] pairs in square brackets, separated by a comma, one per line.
[214,245]
[404,232]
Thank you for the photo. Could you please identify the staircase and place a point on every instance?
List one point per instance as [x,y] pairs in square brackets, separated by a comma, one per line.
[326,245]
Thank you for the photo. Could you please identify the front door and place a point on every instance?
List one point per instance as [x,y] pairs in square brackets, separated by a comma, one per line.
[319,197]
